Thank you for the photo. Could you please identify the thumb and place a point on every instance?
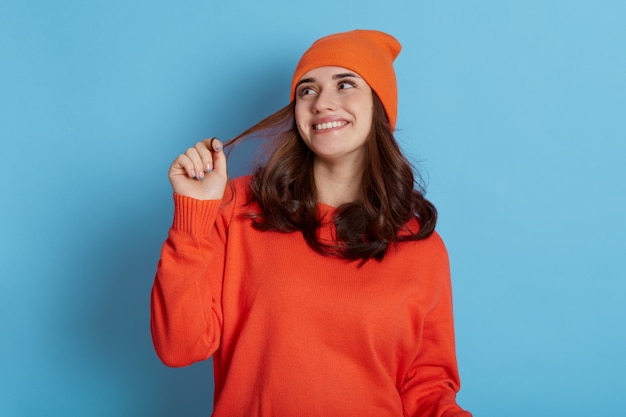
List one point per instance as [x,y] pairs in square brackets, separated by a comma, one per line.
[219,158]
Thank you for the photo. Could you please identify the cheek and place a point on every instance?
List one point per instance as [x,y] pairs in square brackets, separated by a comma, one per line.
[300,118]
[363,106]
[367,114]
[297,112]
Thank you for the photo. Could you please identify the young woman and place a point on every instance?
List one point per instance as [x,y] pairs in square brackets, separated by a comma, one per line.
[318,284]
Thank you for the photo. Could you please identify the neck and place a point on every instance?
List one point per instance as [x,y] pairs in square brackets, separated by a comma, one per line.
[337,185]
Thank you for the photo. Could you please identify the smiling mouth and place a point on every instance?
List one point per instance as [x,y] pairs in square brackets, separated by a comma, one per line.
[329,125]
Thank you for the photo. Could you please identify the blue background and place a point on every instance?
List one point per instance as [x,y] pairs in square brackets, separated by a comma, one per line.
[515,111]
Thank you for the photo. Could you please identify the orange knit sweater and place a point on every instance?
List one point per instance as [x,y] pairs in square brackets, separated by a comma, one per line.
[294,333]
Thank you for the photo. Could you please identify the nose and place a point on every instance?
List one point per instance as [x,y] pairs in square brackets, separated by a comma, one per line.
[325,100]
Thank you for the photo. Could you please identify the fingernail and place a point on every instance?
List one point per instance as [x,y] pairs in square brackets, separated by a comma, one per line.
[208,168]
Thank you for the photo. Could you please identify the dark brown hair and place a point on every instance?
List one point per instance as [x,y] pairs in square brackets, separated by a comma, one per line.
[284,188]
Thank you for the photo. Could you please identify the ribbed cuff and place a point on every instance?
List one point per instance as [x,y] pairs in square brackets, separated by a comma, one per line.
[192,216]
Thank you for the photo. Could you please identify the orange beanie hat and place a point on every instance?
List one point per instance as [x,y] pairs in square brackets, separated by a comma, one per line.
[369,53]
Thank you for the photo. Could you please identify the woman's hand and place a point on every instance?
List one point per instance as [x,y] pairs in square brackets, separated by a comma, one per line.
[200,172]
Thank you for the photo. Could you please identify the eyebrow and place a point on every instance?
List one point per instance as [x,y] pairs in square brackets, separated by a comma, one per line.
[335,77]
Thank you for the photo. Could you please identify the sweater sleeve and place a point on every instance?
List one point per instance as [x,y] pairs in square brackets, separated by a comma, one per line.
[186,313]
[431,383]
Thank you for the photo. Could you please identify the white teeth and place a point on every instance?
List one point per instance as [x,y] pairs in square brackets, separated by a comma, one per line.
[328,125]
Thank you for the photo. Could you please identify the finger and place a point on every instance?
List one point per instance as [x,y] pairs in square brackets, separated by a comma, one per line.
[219,158]
[204,151]
[208,149]
[183,163]
[216,145]
[197,169]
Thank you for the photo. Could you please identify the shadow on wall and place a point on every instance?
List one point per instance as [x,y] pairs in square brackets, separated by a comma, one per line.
[109,317]
[113,331]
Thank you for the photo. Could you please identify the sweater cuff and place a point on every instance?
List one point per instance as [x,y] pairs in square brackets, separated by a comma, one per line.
[192,216]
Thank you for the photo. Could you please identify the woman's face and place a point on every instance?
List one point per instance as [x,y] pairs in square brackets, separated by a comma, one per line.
[334,111]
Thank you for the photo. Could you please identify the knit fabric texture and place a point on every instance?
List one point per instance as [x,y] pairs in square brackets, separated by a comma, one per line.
[295,333]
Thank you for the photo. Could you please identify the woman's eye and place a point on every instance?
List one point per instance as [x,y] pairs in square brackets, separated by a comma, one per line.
[345,84]
[306,91]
